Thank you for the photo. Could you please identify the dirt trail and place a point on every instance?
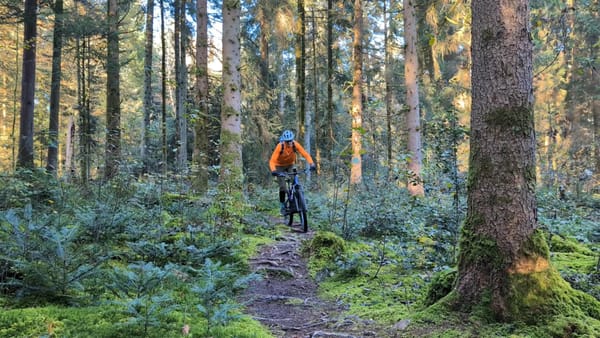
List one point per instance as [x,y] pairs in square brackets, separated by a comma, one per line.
[286,299]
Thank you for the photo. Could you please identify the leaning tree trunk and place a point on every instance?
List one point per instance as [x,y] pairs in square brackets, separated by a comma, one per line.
[25,155]
[503,261]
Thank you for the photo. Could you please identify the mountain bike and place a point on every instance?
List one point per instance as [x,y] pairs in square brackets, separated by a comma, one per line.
[295,202]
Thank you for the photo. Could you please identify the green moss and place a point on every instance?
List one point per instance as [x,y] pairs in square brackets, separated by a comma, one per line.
[536,246]
[110,321]
[518,120]
[572,320]
[386,299]
[566,244]
[483,166]
[325,245]
[441,285]
[574,262]
[545,294]
[231,175]
[251,245]
[476,249]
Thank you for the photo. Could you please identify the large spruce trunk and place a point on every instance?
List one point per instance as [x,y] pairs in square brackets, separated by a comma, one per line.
[498,238]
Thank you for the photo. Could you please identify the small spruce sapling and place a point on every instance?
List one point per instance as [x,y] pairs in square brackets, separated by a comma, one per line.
[215,288]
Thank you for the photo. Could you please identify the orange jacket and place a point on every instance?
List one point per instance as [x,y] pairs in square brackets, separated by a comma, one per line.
[287,157]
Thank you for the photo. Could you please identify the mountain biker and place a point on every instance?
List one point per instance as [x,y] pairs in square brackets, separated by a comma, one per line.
[283,159]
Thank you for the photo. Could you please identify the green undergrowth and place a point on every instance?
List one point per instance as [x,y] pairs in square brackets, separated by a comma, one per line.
[373,280]
[441,320]
[368,279]
[109,321]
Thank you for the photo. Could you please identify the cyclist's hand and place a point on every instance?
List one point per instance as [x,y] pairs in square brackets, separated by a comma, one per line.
[274,173]
[313,167]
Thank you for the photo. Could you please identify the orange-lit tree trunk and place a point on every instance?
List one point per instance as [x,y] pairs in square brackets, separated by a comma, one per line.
[301,67]
[356,161]
[413,117]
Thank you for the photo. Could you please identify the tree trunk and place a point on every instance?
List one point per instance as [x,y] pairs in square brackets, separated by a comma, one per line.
[388,76]
[83,121]
[181,85]
[316,90]
[231,178]
[52,164]
[113,96]
[264,20]
[148,105]
[413,118]
[25,154]
[69,149]
[200,158]
[503,261]
[596,116]
[329,136]
[301,67]
[356,162]
[163,93]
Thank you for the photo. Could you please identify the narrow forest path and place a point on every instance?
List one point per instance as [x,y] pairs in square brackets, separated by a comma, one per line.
[286,299]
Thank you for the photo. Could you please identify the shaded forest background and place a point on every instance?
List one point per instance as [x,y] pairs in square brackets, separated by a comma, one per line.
[114,214]
[566,78]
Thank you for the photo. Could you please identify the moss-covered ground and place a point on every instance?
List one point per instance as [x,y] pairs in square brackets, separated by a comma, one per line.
[374,285]
[109,321]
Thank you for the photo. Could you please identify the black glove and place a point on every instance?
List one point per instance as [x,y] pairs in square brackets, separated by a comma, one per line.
[274,173]
[313,167]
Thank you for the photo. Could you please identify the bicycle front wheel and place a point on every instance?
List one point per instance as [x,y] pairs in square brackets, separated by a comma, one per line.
[301,207]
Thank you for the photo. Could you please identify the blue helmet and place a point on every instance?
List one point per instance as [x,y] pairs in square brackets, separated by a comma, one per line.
[287,135]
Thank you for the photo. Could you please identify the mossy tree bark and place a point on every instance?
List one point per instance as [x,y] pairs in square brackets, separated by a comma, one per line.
[503,262]
[501,218]
[230,178]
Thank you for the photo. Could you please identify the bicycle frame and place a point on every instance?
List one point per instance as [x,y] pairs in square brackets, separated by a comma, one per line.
[295,202]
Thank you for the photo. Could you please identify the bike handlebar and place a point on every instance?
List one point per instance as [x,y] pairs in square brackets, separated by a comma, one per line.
[293,173]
